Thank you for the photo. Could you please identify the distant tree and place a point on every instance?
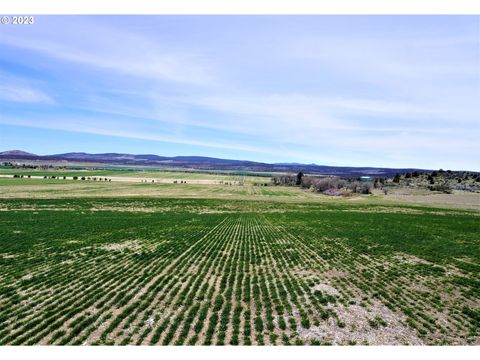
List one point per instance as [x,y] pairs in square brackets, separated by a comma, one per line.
[396,179]
[408,175]
[285,180]
[299,178]
[328,183]
[434,173]
[415,174]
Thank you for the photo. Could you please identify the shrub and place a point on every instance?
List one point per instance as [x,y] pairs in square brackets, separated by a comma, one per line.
[446,189]
[361,187]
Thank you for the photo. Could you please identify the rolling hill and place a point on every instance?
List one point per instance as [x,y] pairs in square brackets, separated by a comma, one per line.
[199,162]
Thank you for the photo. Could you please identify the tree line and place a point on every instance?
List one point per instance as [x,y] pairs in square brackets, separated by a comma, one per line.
[329,185]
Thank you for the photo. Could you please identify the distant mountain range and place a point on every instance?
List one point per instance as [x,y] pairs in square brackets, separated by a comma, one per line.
[199,163]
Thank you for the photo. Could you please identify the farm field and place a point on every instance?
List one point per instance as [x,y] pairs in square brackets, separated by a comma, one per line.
[58,188]
[138,174]
[254,270]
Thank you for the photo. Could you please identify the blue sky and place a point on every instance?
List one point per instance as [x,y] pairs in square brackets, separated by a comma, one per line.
[394,91]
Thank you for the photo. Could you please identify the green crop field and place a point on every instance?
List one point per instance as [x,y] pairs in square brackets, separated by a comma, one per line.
[274,267]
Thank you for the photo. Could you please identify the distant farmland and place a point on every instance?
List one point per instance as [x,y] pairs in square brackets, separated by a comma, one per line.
[244,272]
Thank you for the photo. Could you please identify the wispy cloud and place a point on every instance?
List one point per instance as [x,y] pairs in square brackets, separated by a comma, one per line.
[110,128]
[113,49]
[23,94]
[21,90]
